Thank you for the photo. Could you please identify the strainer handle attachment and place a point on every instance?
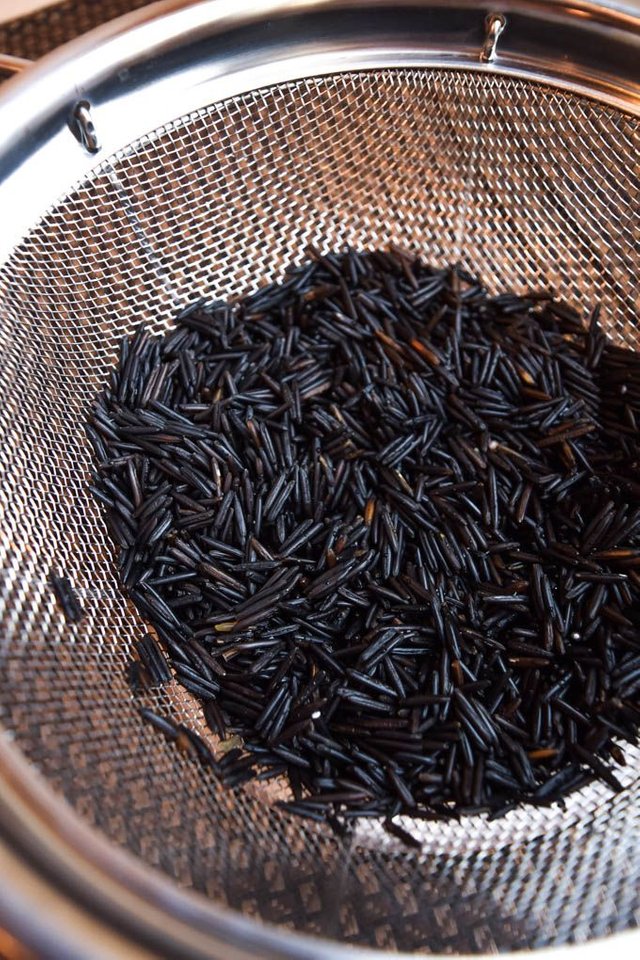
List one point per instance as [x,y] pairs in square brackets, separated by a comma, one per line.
[80,122]
[494,26]
[11,64]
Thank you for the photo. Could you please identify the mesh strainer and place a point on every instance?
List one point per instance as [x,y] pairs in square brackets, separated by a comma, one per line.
[197,148]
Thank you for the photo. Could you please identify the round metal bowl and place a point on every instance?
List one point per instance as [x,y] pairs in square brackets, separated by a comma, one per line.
[196,147]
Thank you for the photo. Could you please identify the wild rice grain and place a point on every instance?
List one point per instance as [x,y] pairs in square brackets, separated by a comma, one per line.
[386,529]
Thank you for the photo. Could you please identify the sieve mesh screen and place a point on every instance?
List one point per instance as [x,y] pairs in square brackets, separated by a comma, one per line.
[526,184]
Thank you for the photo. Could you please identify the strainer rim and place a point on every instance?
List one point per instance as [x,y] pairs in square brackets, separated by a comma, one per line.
[47,803]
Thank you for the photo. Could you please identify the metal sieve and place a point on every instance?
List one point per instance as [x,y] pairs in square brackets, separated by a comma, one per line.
[196,148]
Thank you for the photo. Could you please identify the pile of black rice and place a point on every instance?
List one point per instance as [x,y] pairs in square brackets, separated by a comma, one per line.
[386,527]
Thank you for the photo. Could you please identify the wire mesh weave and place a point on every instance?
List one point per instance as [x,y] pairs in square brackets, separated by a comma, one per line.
[526,184]
[44,30]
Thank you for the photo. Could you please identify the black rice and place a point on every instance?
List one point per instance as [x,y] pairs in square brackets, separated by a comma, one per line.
[66,596]
[386,528]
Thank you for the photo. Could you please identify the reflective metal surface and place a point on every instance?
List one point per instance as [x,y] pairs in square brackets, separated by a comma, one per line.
[10,64]
[153,66]
[231,136]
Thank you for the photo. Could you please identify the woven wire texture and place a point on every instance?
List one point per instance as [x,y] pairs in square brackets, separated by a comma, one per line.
[44,30]
[526,184]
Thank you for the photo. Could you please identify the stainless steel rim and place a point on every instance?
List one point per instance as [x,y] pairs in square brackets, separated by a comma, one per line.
[176,56]
[120,72]
[101,889]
